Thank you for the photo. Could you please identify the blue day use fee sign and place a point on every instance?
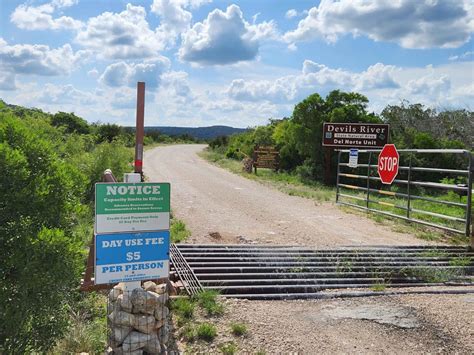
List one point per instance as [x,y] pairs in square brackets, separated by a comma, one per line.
[131,256]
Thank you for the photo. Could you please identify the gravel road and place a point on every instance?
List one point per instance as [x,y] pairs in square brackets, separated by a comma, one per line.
[210,199]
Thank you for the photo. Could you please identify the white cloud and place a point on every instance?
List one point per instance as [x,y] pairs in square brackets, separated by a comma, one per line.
[314,77]
[39,59]
[124,35]
[64,95]
[7,81]
[41,17]
[93,73]
[465,55]
[291,13]
[224,38]
[64,3]
[174,18]
[124,74]
[177,81]
[411,24]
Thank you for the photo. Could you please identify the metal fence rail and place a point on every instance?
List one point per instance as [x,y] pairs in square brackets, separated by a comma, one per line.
[368,193]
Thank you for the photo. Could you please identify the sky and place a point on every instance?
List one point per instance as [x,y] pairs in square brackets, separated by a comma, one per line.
[237,63]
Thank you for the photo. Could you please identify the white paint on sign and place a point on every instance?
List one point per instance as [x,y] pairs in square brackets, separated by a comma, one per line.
[132,222]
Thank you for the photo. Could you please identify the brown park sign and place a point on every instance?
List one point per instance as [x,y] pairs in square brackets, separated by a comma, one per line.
[266,157]
[355,135]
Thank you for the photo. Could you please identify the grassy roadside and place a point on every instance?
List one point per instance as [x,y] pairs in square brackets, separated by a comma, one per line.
[295,186]
[290,184]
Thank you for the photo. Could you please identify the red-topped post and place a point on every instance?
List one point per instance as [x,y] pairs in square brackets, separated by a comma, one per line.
[140,127]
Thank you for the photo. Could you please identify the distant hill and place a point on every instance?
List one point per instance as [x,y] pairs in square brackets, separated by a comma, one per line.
[197,132]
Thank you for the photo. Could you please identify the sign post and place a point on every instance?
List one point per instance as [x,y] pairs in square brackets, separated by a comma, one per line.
[140,127]
[388,163]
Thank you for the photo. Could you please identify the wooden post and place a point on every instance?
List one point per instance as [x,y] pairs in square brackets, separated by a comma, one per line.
[140,128]
[327,165]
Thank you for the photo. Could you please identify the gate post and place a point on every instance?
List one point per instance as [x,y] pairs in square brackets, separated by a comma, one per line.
[469,211]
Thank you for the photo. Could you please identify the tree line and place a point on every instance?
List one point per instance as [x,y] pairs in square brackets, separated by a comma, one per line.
[299,137]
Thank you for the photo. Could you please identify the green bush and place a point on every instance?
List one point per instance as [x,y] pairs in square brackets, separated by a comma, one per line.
[41,256]
[178,231]
[208,301]
[183,307]
[206,331]
[228,348]
[239,329]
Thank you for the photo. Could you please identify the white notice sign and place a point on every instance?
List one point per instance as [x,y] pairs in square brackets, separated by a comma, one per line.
[353,158]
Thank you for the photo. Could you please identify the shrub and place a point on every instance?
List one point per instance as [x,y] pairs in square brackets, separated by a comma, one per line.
[183,307]
[178,231]
[208,300]
[206,331]
[228,348]
[239,329]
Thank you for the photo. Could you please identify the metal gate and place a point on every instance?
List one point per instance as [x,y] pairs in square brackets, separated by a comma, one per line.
[436,196]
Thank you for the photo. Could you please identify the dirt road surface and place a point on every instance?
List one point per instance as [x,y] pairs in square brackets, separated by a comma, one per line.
[210,200]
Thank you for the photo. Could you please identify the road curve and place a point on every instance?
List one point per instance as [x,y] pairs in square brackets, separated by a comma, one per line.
[213,201]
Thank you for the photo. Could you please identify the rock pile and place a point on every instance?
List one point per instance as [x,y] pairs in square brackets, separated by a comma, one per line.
[138,320]
[247,165]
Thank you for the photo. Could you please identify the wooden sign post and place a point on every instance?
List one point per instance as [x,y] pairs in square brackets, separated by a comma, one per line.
[266,157]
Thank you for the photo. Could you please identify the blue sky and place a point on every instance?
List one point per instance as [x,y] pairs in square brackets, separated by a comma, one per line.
[236,63]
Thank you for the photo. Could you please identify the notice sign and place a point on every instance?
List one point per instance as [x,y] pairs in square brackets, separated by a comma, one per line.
[353,158]
[355,135]
[266,157]
[131,257]
[132,207]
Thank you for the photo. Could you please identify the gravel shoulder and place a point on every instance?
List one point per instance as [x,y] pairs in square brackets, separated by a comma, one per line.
[211,200]
[408,324]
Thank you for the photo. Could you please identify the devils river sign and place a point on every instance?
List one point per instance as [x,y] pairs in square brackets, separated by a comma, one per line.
[132,207]
[355,135]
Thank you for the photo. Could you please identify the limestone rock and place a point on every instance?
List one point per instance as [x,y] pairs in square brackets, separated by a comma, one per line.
[114,293]
[149,286]
[118,333]
[160,289]
[144,323]
[124,303]
[122,318]
[135,341]
[145,301]
[120,351]
[120,286]
[164,334]
[153,345]
[161,312]
[163,298]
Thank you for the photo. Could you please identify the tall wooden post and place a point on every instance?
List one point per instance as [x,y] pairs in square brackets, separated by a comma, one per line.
[140,127]
[327,165]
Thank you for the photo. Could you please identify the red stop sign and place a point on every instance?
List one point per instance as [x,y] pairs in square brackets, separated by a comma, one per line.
[388,163]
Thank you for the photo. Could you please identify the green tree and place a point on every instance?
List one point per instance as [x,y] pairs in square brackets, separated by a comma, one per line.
[71,122]
[108,132]
[308,118]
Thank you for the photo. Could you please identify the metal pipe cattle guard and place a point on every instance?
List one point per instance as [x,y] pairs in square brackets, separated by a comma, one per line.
[140,128]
